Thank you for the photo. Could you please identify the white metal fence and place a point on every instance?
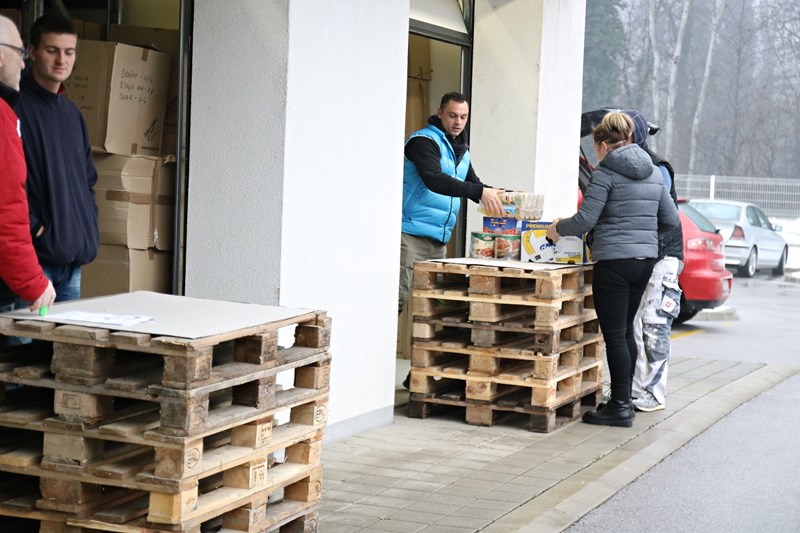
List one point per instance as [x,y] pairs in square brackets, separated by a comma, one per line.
[779,198]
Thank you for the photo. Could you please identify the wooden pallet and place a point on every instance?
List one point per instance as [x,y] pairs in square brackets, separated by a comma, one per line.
[130,452]
[542,419]
[501,307]
[519,357]
[261,514]
[543,282]
[232,479]
[233,393]
[87,356]
[545,339]
[493,388]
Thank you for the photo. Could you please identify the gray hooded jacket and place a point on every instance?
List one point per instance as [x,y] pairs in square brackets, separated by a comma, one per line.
[626,203]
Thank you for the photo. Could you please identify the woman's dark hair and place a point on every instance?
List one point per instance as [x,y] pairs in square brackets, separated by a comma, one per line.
[615,130]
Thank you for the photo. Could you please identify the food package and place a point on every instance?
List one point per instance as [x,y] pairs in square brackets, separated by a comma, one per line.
[501,226]
[507,247]
[481,245]
[520,205]
[537,249]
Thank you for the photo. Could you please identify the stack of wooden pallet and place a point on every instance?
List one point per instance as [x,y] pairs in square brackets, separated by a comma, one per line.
[119,431]
[495,339]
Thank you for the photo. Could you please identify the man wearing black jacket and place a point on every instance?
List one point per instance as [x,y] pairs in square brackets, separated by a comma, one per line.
[61,173]
[661,300]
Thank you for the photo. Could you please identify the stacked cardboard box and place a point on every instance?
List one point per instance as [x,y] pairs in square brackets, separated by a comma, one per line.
[136,203]
[122,91]
[168,42]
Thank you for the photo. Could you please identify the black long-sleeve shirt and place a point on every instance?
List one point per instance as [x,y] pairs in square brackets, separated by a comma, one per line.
[424,153]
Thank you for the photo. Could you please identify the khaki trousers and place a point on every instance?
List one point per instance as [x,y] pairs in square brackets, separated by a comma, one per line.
[413,248]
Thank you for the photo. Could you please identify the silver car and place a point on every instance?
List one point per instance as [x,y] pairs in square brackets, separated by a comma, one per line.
[752,242]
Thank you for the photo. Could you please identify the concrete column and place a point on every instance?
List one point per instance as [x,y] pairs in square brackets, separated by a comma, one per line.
[526,99]
[295,177]
[236,160]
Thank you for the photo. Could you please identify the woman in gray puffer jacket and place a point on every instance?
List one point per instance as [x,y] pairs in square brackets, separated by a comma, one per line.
[625,203]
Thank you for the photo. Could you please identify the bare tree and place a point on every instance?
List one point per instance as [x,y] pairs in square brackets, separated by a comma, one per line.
[654,87]
[698,110]
[723,75]
[672,88]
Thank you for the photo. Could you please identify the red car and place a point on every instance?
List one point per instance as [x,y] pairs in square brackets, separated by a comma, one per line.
[705,281]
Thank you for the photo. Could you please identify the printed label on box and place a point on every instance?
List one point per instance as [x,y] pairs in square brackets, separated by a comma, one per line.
[501,225]
[536,249]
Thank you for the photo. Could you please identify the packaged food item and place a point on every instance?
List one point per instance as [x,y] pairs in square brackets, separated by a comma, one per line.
[520,205]
[502,226]
[507,247]
[481,245]
[537,249]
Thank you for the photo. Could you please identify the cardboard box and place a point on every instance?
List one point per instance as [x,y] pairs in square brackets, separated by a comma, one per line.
[169,42]
[418,83]
[118,269]
[536,249]
[136,201]
[502,226]
[88,30]
[122,92]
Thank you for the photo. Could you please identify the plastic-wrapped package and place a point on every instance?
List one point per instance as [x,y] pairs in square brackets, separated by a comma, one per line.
[520,205]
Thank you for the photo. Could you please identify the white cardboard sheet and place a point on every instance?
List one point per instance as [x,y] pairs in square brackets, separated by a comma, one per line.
[173,316]
[505,263]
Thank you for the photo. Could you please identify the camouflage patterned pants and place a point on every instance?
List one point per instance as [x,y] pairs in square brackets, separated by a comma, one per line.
[652,326]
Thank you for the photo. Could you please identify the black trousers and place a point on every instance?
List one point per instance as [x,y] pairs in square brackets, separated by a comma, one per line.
[618,286]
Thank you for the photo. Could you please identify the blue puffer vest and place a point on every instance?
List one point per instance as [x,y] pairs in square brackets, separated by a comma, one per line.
[426,213]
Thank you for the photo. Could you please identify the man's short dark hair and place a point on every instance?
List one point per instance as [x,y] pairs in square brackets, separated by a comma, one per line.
[453,96]
[51,24]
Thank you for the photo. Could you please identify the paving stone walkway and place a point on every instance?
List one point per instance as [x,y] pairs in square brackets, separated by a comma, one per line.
[442,475]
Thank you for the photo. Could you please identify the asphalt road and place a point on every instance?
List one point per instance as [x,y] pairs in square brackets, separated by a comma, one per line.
[743,473]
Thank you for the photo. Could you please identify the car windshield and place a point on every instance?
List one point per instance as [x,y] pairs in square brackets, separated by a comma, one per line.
[719,211]
[698,218]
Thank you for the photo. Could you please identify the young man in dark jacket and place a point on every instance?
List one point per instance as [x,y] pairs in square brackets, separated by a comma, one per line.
[20,274]
[661,300]
[61,173]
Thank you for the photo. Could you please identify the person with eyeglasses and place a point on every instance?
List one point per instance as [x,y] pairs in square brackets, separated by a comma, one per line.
[61,172]
[20,273]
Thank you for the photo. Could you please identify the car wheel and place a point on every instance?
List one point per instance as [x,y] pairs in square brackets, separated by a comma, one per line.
[749,268]
[686,313]
[685,316]
[780,270]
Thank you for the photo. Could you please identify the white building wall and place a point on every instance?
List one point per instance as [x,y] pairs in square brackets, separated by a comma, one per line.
[343,189]
[526,99]
[298,116]
[236,159]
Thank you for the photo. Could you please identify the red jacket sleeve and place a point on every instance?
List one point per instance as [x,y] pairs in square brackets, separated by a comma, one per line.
[19,267]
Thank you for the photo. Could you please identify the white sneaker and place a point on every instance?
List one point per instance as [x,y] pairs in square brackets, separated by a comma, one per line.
[647,403]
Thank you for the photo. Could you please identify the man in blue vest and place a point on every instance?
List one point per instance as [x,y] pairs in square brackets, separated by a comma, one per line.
[437,173]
